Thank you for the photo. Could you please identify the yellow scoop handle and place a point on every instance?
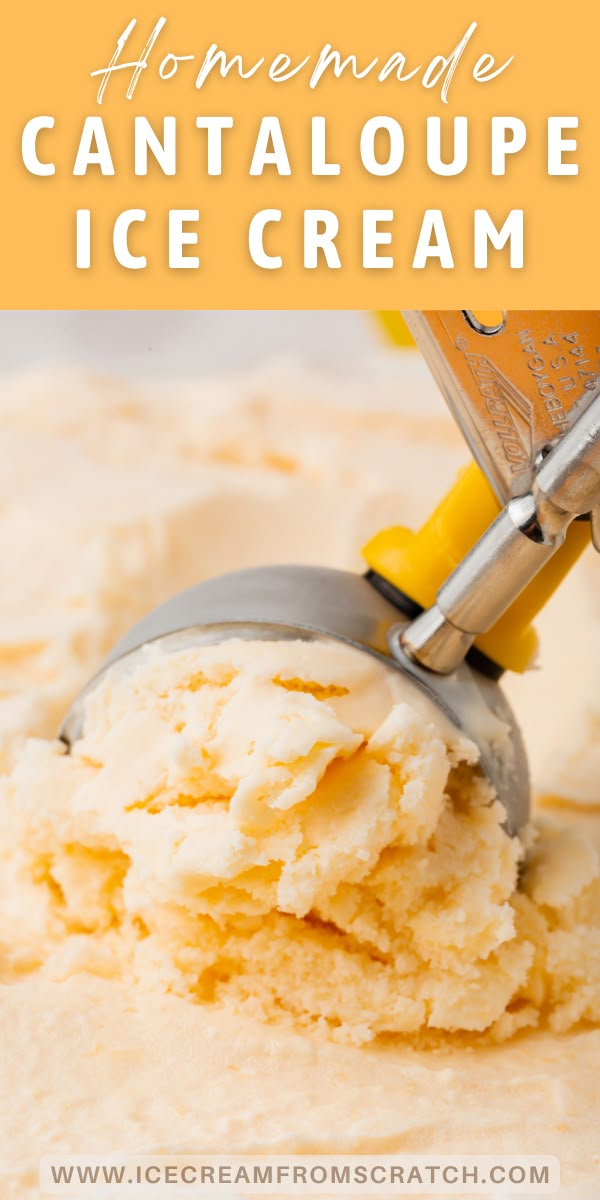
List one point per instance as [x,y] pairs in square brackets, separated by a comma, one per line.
[419,562]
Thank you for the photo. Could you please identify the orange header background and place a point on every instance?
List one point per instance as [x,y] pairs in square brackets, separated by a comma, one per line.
[50,50]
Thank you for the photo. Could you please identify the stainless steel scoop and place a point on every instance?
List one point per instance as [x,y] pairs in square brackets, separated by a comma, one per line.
[430,650]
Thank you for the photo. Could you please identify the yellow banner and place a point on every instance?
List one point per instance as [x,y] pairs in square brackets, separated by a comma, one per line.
[325,155]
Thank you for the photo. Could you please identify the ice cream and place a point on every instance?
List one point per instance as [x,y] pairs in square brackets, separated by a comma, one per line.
[267,901]
[287,827]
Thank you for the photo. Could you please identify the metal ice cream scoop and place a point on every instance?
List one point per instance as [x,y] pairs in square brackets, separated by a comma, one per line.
[449,607]
[540,452]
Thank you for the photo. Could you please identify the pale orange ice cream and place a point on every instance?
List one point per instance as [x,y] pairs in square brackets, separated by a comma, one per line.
[267,901]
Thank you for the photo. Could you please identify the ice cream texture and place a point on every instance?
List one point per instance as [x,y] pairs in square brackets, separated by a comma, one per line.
[287,828]
[267,901]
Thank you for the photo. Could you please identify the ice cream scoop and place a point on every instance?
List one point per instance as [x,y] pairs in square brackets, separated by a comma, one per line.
[450,606]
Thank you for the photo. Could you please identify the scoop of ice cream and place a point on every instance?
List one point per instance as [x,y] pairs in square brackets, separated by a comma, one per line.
[290,829]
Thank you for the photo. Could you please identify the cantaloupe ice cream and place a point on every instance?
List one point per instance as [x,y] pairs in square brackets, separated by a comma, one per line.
[268,902]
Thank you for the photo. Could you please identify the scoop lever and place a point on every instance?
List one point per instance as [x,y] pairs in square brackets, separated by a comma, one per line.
[512,380]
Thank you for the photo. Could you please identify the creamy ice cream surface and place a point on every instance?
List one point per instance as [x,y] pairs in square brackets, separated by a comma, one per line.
[267,901]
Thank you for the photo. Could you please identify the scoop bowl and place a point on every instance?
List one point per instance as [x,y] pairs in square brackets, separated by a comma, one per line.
[318,602]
